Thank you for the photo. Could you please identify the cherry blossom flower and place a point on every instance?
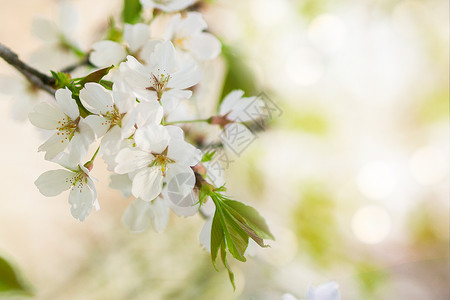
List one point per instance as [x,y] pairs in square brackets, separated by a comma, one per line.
[326,291]
[167,5]
[186,33]
[61,48]
[161,155]
[71,131]
[82,194]
[107,53]
[165,78]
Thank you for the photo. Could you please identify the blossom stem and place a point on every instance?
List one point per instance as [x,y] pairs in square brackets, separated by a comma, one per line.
[189,121]
[35,77]
[95,154]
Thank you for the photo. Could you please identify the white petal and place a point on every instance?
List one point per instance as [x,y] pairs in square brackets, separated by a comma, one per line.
[149,113]
[136,35]
[205,235]
[137,216]
[203,46]
[230,101]
[46,116]
[180,182]
[54,145]
[152,138]
[98,124]
[107,53]
[81,199]
[326,291]
[183,152]
[147,184]
[130,160]
[68,18]
[45,30]
[123,97]
[52,183]
[192,24]
[160,214]
[186,206]
[122,183]
[96,98]
[186,77]
[66,103]
[111,141]
[162,60]
[288,297]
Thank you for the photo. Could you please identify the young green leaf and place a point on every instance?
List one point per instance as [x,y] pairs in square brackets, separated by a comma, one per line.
[208,156]
[95,76]
[131,12]
[251,217]
[61,79]
[9,281]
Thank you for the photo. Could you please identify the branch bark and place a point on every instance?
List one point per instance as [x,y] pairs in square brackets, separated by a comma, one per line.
[35,77]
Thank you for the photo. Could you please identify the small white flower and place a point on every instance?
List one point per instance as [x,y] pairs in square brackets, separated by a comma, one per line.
[326,291]
[107,53]
[167,5]
[57,36]
[241,109]
[71,131]
[24,94]
[187,34]
[82,194]
[110,116]
[161,155]
[140,214]
[164,79]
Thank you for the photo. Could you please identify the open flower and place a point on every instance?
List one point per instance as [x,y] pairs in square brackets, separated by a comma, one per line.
[107,53]
[186,33]
[326,291]
[82,194]
[165,78]
[161,155]
[167,5]
[70,130]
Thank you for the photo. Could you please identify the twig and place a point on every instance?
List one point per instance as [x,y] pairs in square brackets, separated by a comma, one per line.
[35,77]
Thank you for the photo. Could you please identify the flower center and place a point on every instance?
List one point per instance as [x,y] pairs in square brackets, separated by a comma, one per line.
[113,117]
[78,180]
[159,84]
[161,160]
[67,127]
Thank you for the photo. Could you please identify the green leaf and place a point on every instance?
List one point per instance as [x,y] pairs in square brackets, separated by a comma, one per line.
[217,238]
[61,79]
[223,256]
[131,13]
[236,238]
[208,156]
[252,218]
[9,281]
[95,76]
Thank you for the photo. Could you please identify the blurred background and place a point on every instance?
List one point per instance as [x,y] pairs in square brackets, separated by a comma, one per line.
[352,174]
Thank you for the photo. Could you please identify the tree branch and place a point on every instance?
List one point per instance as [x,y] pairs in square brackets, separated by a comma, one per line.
[35,77]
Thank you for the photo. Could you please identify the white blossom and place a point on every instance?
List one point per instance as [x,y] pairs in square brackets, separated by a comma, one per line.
[167,5]
[107,53]
[186,33]
[82,194]
[165,78]
[161,155]
[70,131]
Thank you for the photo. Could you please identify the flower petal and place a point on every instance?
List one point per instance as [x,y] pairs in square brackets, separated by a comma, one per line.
[96,98]
[131,160]
[147,184]
[54,182]
[107,53]
[46,116]
[81,200]
[136,35]
[66,103]
[152,138]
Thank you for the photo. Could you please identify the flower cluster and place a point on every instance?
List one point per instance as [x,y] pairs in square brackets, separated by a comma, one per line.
[122,111]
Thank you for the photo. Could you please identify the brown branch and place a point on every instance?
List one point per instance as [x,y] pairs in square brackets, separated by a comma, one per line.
[35,77]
